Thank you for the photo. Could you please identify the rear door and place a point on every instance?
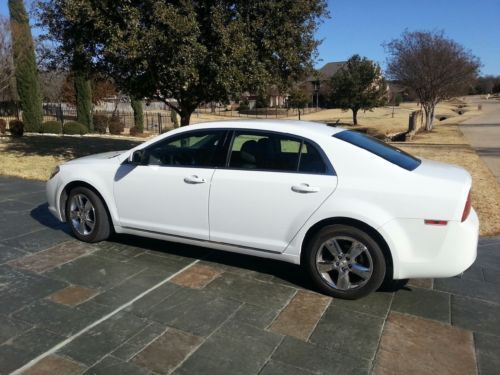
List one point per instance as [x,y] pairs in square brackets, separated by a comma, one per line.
[271,186]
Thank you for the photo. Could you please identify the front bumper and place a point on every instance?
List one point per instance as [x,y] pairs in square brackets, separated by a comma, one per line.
[52,190]
[425,251]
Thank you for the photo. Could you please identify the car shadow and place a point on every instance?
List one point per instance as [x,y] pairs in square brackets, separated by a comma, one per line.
[260,268]
[42,215]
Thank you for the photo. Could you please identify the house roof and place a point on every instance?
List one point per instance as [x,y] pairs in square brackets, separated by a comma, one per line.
[327,70]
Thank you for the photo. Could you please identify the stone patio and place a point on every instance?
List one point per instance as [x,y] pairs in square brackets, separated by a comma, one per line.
[139,306]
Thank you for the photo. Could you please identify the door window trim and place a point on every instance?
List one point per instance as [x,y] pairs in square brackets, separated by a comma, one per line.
[222,149]
[227,144]
[330,171]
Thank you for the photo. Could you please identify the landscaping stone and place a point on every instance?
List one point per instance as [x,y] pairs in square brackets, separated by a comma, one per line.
[11,328]
[469,288]
[182,310]
[421,283]
[319,360]
[110,365]
[196,276]
[414,345]
[300,316]
[235,348]
[425,303]
[487,353]
[73,295]
[52,257]
[54,364]
[376,304]
[168,351]
[139,341]
[94,272]
[103,339]
[475,315]
[251,291]
[349,332]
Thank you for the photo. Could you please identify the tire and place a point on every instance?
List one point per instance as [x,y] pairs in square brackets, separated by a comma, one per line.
[92,223]
[344,262]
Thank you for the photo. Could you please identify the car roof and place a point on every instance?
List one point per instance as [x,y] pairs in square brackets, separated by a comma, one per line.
[301,128]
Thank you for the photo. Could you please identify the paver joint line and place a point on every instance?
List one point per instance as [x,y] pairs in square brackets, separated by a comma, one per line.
[97,322]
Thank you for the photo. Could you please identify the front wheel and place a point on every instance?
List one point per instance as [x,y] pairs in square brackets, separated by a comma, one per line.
[87,215]
[344,262]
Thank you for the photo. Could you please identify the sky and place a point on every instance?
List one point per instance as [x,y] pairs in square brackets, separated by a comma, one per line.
[362,26]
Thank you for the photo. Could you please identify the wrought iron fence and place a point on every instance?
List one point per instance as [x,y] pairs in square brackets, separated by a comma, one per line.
[154,121]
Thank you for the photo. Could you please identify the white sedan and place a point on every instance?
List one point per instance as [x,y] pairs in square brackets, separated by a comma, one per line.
[350,209]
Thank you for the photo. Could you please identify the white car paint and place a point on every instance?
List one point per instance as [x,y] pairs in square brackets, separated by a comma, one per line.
[259,213]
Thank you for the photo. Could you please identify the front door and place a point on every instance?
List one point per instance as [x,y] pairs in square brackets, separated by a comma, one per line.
[167,192]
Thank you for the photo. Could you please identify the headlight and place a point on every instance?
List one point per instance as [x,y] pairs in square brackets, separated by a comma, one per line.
[54,172]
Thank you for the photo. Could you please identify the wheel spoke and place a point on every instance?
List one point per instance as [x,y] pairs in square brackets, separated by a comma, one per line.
[324,266]
[360,270]
[356,249]
[79,202]
[87,207]
[333,247]
[343,281]
[90,224]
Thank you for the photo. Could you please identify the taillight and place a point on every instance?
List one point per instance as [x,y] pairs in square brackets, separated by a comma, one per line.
[467,208]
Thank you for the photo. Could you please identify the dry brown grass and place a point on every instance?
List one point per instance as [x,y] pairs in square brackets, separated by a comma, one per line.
[34,157]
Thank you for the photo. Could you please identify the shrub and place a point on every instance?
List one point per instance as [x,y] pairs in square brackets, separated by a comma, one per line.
[244,106]
[116,126]
[73,127]
[135,131]
[100,123]
[52,127]
[3,126]
[16,128]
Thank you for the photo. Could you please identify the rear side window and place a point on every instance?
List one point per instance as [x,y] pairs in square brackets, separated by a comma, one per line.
[379,148]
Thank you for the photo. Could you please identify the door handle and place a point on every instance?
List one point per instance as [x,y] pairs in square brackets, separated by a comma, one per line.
[194,180]
[305,188]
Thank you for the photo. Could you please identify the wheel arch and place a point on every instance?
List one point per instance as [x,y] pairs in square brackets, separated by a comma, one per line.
[354,223]
[78,183]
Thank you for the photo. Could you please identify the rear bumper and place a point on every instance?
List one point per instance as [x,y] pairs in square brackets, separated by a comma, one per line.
[421,250]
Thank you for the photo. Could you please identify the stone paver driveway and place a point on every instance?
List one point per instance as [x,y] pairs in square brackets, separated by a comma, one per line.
[136,306]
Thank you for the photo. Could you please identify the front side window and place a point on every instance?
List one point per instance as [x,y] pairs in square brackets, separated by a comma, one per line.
[274,152]
[192,149]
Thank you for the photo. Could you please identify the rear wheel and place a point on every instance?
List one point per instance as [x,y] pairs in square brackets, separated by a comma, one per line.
[344,262]
[87,215]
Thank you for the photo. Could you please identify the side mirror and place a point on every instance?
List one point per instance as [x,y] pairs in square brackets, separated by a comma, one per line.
[136,157]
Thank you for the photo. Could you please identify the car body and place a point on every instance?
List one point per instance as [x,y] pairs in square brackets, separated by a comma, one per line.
[269,189]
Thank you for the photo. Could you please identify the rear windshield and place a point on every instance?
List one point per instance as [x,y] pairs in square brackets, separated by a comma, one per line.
[379,148]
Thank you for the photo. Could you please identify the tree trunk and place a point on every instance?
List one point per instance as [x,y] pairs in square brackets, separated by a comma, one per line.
[355,116]
[138,114]
[429,116]
[185,118]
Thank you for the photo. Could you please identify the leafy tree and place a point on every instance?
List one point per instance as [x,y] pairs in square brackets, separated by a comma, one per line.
[6,65]
[190,51]
[298,99]
[25,66]
[138,114]
[358,85]
[435,67]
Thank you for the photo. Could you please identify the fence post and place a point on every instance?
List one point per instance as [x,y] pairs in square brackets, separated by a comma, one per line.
[159,123]
[60,114]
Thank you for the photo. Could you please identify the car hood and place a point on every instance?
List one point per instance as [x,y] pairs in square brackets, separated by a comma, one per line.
[111,155]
